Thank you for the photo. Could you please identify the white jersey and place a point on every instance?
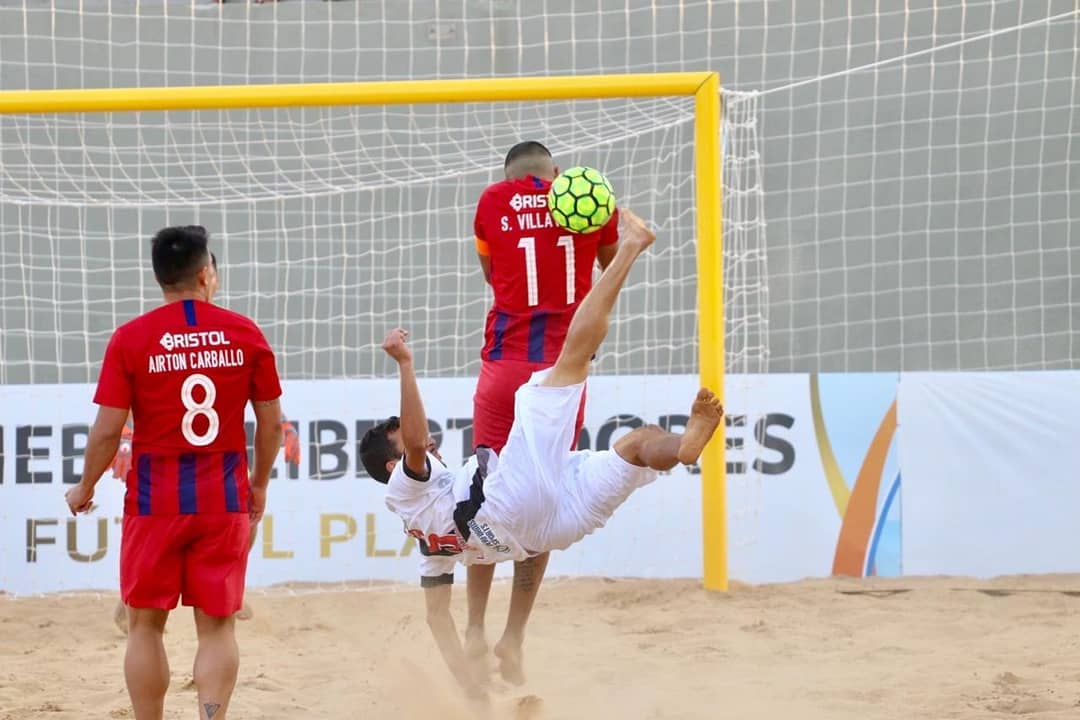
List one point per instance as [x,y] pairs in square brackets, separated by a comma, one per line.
[538,496]
[445,513]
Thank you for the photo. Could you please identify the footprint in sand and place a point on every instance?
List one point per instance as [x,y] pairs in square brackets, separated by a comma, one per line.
[1008,678]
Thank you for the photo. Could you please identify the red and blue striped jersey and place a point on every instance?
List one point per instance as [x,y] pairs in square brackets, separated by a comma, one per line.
[187,370]
[539,272]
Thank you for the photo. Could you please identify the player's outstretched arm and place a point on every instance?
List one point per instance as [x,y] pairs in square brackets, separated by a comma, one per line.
[414,427]
[445,632]
[100,449]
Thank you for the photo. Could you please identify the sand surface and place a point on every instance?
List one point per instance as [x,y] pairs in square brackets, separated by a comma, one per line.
[815,650]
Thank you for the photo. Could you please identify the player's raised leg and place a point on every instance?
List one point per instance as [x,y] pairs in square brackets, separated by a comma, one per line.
[146,667]
[606,479]
[217,663]
[658,449]
[590,323]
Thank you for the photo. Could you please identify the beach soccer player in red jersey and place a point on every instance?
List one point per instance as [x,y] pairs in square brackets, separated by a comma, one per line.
[185,370]
[539,273]
[537,495]
[121,466]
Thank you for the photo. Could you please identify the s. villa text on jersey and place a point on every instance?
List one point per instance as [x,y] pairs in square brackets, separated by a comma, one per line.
[533,221]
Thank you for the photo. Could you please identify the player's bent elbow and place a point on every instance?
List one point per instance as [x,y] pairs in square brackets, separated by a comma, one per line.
[267,411]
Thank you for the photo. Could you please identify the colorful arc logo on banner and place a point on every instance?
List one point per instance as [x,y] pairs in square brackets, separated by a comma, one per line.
[861,521]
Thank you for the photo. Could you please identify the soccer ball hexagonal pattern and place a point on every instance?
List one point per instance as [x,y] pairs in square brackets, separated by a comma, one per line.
[581,200]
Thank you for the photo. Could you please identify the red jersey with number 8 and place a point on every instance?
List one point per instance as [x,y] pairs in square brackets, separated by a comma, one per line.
[540,272]
[187,370]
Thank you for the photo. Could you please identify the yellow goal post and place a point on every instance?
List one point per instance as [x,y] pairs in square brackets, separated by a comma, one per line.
[704,87]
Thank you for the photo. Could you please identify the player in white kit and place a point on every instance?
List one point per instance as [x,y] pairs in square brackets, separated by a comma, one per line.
[538,496]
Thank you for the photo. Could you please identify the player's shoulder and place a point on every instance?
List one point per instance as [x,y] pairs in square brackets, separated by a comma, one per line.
[439,470]
[133,325]
[224,313]
[436,473]
[514,196]
[494,192]
[142,324]
[508,187]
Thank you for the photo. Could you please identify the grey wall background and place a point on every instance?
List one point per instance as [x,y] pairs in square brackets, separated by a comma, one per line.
[917,166]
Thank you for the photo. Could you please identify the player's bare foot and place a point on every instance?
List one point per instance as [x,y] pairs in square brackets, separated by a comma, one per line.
[245,612]
[633,232]
[511,664]
[705,416]
[120,617]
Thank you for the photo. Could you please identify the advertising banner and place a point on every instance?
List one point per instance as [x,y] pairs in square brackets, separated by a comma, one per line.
[846,474]
[327,523]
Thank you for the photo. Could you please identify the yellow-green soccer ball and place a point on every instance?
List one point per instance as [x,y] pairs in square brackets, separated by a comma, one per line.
[581,200]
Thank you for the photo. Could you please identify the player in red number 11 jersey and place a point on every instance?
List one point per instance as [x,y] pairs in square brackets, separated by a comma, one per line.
[186,370]
[539,273]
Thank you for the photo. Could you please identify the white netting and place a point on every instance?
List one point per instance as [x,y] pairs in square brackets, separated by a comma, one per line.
[922,196]
[915,156]
[330,224]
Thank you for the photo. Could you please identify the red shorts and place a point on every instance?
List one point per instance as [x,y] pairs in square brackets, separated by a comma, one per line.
[493,403]
[200,557]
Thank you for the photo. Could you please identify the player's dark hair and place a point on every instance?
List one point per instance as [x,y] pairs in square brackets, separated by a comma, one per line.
[529,150]
[376,449]
[179,253]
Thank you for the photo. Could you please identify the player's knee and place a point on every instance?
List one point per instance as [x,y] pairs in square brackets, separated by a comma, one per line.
[629,445]
[147,619]
[644,433]
[207,625]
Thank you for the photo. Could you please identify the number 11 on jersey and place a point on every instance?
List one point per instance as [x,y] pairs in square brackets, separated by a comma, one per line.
[528,244]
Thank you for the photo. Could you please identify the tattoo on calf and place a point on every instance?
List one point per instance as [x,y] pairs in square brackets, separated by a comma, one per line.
[211,709]
[525,575]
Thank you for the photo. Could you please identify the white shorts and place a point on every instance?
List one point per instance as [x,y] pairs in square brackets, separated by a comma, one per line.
[545,495]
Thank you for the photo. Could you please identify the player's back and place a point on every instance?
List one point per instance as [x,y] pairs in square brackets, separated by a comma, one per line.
[539,271]
[188,369]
